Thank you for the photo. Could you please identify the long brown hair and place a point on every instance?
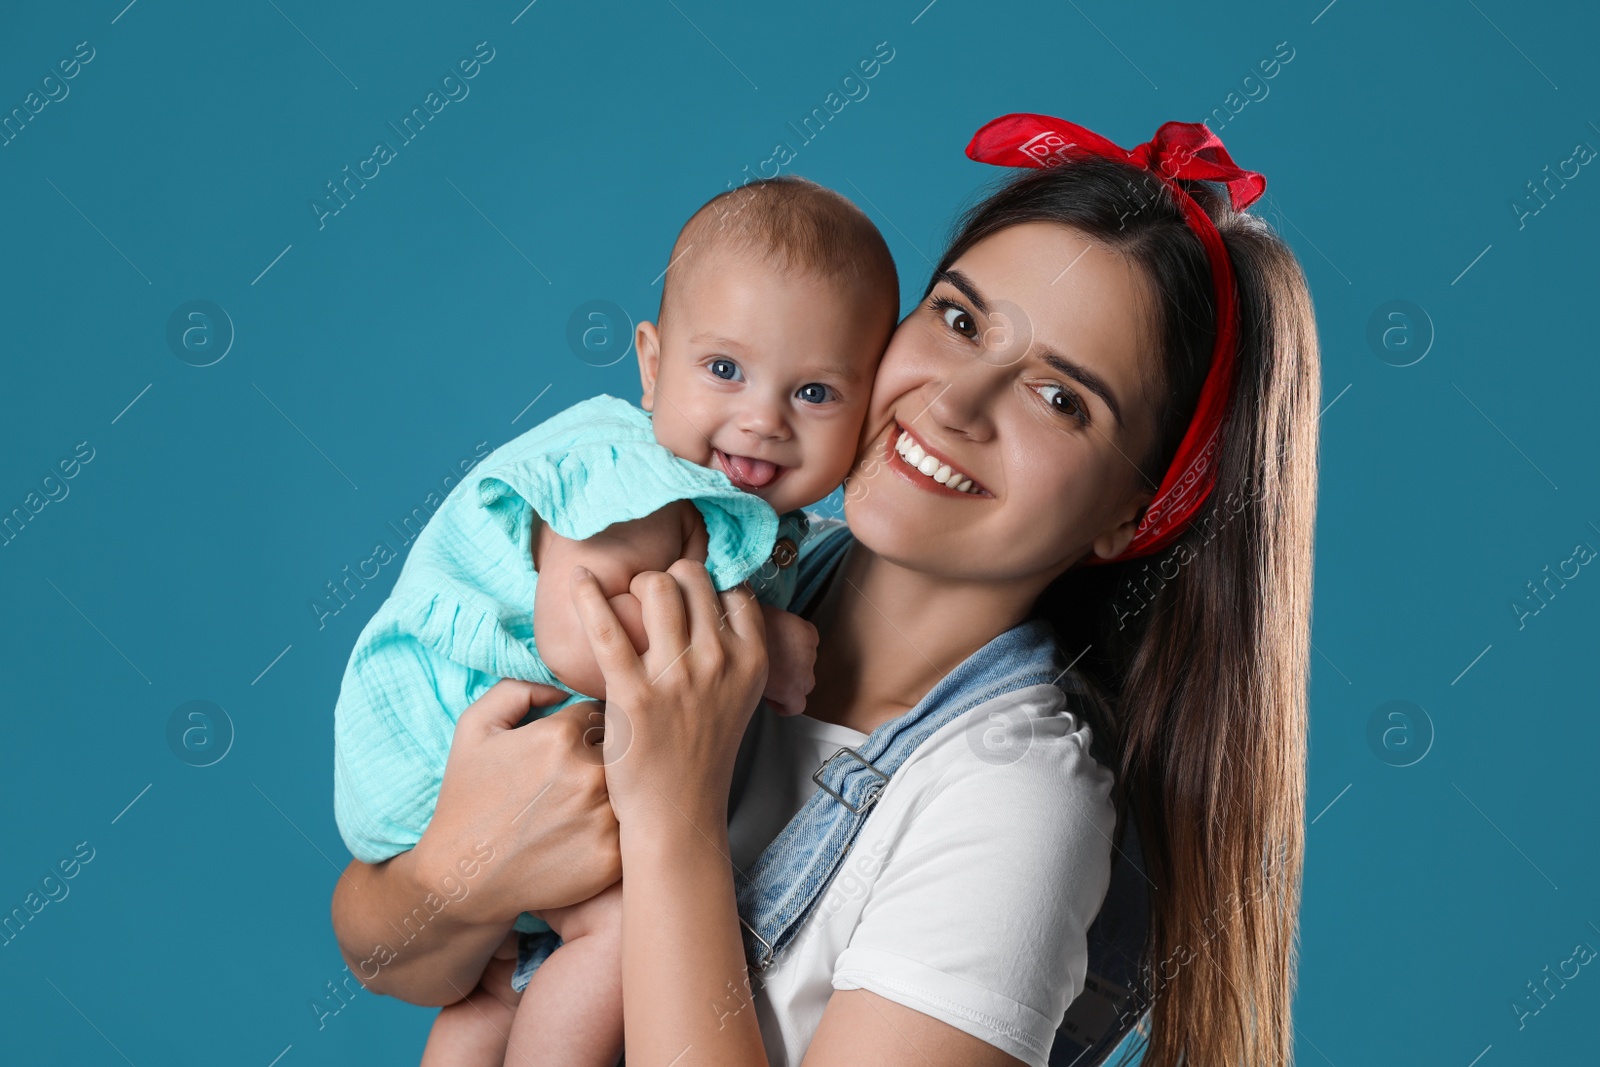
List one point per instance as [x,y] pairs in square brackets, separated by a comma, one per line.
[1202,648]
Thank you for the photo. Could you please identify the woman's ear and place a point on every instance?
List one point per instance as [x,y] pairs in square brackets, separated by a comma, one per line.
[647,342]
[1111,544]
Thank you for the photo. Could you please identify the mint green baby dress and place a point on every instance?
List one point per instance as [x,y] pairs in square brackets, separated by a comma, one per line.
[460,617]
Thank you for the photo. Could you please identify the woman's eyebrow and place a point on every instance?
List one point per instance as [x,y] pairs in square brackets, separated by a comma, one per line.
[1085,377]
[963,283]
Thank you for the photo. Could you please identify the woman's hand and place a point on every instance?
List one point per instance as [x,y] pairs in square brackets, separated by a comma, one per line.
[535,795]
[522,823]
[674,718]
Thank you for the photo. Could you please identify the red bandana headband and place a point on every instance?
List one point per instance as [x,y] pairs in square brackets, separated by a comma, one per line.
[1179,150]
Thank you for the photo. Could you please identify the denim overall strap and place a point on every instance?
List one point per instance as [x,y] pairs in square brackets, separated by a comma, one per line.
[816,566]
[789,877]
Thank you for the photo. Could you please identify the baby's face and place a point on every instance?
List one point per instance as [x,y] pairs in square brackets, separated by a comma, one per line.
[764,376]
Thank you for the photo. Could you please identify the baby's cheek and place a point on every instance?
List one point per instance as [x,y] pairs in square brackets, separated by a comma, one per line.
[828,465]
[676,432]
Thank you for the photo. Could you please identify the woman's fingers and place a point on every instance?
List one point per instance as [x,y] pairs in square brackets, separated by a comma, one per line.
[665,623]
[744,614]
[506,704]
[700,600]
[613,651]
[584,729]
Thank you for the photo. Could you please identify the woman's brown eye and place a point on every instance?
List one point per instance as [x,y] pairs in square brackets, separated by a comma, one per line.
[960,322]
[1063,401]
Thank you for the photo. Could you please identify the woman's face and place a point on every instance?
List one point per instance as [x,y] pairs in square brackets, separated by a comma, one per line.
[1021,384]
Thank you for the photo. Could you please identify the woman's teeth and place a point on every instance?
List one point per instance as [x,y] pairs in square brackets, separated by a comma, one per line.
[942,473]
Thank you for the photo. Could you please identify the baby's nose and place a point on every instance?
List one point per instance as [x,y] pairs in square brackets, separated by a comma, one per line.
[765,421]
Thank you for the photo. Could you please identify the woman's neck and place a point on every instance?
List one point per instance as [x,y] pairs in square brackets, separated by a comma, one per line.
[888,634]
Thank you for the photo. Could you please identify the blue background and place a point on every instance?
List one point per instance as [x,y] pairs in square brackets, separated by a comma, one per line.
[374,353]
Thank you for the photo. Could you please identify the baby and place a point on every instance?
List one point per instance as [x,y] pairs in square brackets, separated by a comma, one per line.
[777,302]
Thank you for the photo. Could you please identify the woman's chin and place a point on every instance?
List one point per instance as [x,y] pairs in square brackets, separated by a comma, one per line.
[930,534]
[900,522]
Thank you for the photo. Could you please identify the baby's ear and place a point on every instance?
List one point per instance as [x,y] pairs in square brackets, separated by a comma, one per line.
[647,342]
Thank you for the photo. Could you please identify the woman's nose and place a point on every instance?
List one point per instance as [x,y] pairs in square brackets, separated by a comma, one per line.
[963,402]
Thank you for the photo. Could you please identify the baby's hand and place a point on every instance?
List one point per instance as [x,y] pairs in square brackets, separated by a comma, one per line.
[791,660]
[615,555]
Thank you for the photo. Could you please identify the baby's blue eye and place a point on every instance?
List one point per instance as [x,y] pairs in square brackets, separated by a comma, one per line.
[726,369]
[814,393]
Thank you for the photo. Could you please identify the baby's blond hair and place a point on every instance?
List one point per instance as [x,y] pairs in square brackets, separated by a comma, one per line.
[793,222]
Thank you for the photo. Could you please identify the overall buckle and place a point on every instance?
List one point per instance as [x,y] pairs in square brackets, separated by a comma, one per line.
[766,961]
[872,795]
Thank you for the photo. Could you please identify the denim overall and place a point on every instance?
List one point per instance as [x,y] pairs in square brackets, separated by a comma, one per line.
[791,875]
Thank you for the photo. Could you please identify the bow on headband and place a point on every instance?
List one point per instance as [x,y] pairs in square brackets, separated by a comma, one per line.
[1180,151]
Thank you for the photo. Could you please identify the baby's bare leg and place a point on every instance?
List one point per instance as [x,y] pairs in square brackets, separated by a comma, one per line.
[474,1032]
[571,1012]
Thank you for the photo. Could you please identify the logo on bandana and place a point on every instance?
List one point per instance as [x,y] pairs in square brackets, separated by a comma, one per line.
[1047,149]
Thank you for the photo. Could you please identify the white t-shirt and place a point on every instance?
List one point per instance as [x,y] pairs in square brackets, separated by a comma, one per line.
[972,884]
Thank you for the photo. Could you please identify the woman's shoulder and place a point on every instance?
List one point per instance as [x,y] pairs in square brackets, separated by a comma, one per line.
[1031,749]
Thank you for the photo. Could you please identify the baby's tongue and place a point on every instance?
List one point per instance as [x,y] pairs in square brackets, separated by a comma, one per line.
[751,472]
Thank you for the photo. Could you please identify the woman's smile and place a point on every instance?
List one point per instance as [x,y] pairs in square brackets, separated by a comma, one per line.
[923,466]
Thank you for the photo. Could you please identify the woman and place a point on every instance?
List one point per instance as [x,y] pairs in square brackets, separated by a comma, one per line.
[1085,332]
